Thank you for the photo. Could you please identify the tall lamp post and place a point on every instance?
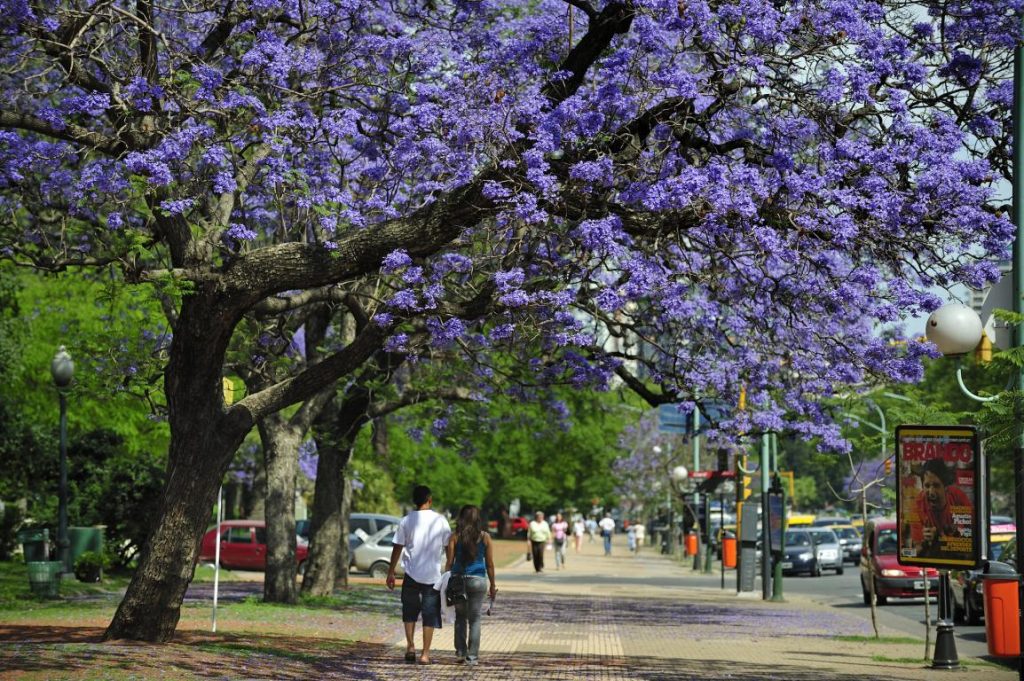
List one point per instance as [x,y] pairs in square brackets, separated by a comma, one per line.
[678,477]
[63,371]
[956,330]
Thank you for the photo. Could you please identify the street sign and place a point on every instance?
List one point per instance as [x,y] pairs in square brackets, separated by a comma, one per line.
[671,420]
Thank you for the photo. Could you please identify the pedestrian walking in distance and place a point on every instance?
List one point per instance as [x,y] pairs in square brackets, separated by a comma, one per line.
[538,535]
[418,542]
[470,553]
[607,526]
[578,528]
[560,531]
[591,529]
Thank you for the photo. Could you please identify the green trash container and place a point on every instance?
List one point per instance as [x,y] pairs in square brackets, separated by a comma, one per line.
[82,539]
[44,578]
[35,543]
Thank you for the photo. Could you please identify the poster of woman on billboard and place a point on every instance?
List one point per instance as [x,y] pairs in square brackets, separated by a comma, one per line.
[938,485]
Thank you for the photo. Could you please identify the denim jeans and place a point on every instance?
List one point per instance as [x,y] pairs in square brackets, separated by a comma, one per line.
[607,543]
[559,553]
[468,612]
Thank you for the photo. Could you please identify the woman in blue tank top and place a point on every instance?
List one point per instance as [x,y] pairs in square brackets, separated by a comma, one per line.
[470,553]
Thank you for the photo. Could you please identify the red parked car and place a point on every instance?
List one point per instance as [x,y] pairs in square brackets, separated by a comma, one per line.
[243,545]
[892,580]
[518,526]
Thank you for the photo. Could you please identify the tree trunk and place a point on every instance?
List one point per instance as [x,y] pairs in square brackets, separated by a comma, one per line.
[338,429]
[204,437]
[344,552]
[280,451]
[200,451]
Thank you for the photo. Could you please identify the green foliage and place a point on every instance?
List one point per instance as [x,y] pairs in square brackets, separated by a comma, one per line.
[805,493]
[552,452]
[106,486]
[89,566]
[11,519]
[117,347]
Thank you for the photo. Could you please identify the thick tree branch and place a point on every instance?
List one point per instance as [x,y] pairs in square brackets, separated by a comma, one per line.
[70,132]
[312,379]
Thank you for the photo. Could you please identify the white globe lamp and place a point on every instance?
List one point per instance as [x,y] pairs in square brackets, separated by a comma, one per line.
[955,329]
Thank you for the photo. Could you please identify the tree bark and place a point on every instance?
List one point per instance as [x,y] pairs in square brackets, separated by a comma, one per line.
[338,429]
[280,451]
[344,551]
[204,436]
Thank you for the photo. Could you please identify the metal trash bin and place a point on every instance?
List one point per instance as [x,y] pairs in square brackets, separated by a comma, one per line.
[35,543]
[44,578]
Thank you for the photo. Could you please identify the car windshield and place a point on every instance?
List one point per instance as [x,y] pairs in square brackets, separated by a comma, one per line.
[825,537]
[798,539]
[887,543]
[847,533]
[995,549]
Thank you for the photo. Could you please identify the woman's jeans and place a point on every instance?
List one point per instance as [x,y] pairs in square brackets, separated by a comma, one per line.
[468,612]
[559,553]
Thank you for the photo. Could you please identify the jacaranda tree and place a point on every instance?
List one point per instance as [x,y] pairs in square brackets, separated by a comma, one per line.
[719,192]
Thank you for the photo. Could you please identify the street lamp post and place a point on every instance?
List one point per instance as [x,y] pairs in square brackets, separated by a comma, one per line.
[677,477]
[956,329]
[63,371]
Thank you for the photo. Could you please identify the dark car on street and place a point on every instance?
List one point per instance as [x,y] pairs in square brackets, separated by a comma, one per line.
[879,561]
[799,554]
[850,541]
[966,585]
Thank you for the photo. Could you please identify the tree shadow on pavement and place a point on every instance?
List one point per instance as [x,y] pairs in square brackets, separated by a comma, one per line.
[75,652]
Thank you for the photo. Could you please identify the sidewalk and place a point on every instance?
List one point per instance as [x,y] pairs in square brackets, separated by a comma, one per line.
[600,619]
[621,617]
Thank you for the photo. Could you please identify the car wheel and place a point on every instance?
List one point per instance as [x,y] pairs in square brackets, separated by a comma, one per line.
[865,592]
[971,616]
[302,568]
[379,570]
[840,569]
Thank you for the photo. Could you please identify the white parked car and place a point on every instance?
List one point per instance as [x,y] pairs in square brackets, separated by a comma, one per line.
[828,549]
[374,554]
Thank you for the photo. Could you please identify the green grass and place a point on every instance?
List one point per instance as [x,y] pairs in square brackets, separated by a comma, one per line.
[15,593]
[881,639]
[972,662]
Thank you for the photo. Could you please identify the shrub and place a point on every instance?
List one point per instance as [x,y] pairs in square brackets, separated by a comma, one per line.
[10,520]
[90,565]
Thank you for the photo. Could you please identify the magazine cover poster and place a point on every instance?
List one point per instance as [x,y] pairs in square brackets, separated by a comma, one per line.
[938,471]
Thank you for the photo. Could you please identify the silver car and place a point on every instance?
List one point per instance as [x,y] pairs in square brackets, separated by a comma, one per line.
[374,554]
[828,549]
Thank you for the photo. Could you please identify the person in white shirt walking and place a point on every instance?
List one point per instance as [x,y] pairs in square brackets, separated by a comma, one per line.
[537,538]
[607,526]
[418,542]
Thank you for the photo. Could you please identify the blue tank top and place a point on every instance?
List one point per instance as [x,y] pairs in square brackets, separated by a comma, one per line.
[478,568]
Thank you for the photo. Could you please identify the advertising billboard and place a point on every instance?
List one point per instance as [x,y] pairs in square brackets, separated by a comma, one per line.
[938,473]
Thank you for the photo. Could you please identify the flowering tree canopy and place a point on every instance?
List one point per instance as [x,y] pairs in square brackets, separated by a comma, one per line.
[722,193]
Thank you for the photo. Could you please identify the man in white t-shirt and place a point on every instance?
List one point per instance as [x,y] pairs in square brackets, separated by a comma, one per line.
[418,542]
[607,526]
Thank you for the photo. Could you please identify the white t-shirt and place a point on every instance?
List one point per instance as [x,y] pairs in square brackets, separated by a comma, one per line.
[578,528]
[423,534]
[607,524]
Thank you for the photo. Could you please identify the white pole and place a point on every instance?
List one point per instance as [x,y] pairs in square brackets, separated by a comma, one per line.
[216,559]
